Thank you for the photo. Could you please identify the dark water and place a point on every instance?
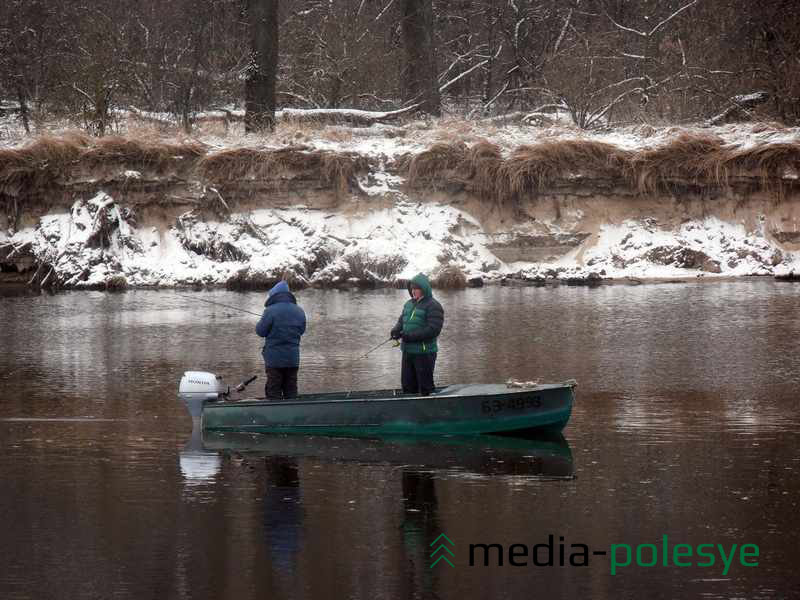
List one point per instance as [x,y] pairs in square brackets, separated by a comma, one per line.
[686,425]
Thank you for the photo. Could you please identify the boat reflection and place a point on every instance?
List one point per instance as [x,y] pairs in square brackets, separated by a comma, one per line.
[197,464]
[541,457]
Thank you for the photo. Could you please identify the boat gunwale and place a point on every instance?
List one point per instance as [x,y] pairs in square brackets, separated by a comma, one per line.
[264,402]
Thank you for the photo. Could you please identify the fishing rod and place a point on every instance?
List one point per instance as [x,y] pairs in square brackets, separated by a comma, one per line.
[219,304]
[368,352]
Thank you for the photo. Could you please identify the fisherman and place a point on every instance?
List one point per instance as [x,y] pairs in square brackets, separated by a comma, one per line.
[418,327]
[281,326]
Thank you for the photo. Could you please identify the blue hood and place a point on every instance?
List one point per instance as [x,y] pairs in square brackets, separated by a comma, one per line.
[279,287]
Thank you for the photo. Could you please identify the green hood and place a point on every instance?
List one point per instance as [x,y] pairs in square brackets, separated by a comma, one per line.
[422,281]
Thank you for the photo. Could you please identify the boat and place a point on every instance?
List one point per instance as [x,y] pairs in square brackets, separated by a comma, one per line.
[460,409]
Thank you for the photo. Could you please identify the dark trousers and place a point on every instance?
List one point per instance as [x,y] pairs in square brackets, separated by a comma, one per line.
[281,383]
[417,373]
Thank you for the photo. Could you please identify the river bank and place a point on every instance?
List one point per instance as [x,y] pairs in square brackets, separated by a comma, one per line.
[338,207]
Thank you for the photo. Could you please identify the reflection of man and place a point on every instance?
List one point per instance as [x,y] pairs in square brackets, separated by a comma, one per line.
[420,527]
[283,512]
[419,326]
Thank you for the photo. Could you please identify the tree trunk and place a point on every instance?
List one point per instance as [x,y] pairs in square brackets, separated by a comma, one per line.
[259,104]
[23,108]
[419,74]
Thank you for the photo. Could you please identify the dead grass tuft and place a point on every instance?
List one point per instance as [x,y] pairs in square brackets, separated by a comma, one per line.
[437,165]
[40,162]
[690,157]
[530,168]
[43,162]
[364,267]
[769,162]
[142,154]
[337,169]
[450,278]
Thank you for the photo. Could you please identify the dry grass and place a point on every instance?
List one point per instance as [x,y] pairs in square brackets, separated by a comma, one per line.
[696,159]
[437,165]
[141,154]
[335,169]
[450,278]
[49,158]
[693,158]
[39,163]
[367,268]
[530,168]
[768,161]
[706,161]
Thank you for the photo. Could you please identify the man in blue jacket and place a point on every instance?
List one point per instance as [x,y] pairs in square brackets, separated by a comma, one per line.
[281,326]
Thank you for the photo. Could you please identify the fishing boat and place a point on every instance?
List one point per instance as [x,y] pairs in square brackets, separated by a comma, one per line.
[460,409]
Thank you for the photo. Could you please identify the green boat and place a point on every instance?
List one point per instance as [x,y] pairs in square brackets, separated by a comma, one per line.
[463,409]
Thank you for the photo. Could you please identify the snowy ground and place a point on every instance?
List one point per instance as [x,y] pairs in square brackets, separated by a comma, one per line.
[94,245]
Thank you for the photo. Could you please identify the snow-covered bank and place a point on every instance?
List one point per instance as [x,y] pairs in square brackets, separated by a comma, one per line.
[375,210]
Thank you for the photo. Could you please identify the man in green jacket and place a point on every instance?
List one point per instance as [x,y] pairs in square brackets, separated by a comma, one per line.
[418,327]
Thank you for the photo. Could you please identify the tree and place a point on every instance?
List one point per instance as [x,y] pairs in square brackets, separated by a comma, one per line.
[419,73]
[262,72]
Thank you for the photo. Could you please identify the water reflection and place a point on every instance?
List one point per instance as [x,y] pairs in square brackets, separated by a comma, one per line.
[542,457]
[420,526]
[198,466]
[283,513]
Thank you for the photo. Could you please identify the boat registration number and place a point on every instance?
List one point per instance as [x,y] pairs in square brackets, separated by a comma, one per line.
[496,405]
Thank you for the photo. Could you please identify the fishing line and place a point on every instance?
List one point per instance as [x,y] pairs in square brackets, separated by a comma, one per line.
[244,310]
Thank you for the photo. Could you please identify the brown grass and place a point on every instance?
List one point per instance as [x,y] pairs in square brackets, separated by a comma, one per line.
[767,161]
[49,158]
[437,164]
[689,158]
[40,162]
[693,158]
[530,168]
[366,268]
[336,169]
[138,153]
[450,278]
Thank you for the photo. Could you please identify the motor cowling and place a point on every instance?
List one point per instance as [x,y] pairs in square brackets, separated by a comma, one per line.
[197,387]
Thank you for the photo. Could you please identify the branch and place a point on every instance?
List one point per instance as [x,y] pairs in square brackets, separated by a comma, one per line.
[641,33]
[490,102]
[385,8]
[467,72]
[672,16]
[563,32]
[80,91]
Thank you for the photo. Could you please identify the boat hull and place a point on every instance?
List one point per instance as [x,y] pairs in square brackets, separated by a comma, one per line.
[448,412]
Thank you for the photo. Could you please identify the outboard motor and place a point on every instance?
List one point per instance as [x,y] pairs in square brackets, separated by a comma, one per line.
[197,387]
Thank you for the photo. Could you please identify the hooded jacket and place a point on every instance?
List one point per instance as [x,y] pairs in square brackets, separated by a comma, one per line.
[281,326]
[421,321]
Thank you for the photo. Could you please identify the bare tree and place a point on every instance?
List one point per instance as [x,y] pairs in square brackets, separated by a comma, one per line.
[419,73]
[262,18]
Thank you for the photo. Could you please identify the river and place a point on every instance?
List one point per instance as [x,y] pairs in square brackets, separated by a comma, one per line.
[684,431]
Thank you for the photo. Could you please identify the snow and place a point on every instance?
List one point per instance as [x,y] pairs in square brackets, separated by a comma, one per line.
[388,234]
